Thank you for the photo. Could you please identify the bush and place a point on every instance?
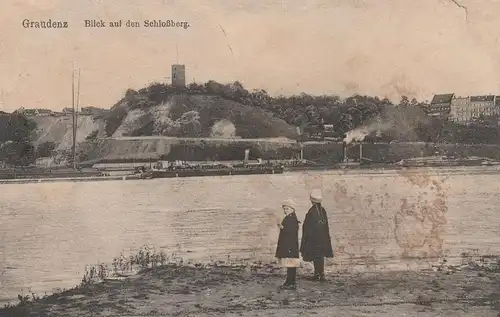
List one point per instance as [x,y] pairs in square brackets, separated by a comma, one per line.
[92,136]
[45,149]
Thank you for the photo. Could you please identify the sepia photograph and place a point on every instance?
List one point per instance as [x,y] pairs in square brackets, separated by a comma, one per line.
[249,158]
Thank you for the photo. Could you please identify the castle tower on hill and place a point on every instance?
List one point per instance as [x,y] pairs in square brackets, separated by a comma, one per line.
[179,76]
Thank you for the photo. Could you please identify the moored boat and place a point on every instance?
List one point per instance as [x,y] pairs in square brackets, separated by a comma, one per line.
[217,171]
[446,161]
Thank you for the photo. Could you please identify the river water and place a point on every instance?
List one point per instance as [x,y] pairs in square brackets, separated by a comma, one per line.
[378,220]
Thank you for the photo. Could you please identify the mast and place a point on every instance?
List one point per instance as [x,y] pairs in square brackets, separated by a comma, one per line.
[76,119]
[73,112]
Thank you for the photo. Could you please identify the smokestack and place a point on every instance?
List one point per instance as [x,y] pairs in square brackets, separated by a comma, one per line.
[360,152]
[344,147]
[247,152]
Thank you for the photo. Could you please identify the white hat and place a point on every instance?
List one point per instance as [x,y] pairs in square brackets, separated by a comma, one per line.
[316,196]
[290,203]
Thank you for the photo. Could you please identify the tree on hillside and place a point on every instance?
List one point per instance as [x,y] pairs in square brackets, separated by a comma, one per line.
[45,149]
[15,139]
[190,124]
[404,121]
[213,87]
[92,135]
[17,153]
[130,94]
[157,93]
[16,128]
[404,101]
[144,130]
[114,119]
[195,87]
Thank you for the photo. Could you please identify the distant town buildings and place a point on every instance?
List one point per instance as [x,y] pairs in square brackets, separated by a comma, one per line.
[85,111]
[179,76]
[440,106]
[67,110]
[92,111]
[459,112]
[34,112]
[483,109]
[44,112]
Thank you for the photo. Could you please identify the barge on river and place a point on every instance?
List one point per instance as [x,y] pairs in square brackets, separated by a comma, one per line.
[138,173]
[200,171]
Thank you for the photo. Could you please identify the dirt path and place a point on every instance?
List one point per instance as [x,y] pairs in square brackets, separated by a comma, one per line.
[237,291]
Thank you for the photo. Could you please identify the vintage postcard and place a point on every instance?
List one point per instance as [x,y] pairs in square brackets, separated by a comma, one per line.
[249,158]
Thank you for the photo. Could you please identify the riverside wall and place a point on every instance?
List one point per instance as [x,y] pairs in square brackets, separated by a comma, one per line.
[171,149]
[323,153]
[383,152]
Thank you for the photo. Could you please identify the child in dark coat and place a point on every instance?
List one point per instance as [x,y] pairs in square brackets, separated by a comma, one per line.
[316,242]
[288,243]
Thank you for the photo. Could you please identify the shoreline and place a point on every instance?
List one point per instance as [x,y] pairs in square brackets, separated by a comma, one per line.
[224,289]
[292,169]
[68,179]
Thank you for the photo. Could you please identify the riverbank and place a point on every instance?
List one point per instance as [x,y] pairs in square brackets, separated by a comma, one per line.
[252,290]
[172,149]
[70,179]
[364,168]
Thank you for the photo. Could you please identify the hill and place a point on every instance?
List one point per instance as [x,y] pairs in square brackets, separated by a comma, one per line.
[193,115]
[160,110]
[230,111]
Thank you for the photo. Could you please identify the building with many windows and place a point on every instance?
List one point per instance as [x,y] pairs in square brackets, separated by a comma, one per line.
[440,106]
[483,107]
[460,110]
[475,109]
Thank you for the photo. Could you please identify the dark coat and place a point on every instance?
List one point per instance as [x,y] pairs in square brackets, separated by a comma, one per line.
[288,239]
[316,242]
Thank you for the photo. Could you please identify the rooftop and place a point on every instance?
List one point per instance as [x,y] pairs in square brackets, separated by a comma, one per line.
[482,98]
[443,98]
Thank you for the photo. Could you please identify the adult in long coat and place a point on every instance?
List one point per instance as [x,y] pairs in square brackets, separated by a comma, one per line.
[316,243]
[288,243]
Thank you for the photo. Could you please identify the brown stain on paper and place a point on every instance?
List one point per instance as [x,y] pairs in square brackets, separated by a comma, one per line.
[418,226]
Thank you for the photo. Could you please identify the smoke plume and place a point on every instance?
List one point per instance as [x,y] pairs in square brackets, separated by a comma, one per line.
[395,122]
[223,128]
[360,133]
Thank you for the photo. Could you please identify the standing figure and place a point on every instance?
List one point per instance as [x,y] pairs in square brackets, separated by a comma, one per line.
[316,242]
[288,243]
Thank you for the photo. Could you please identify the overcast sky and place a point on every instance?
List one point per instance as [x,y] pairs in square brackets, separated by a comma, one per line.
[375,47]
